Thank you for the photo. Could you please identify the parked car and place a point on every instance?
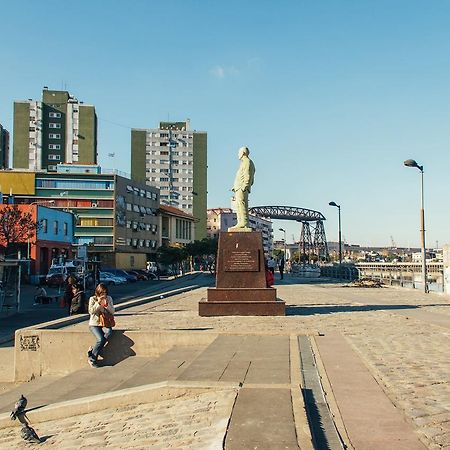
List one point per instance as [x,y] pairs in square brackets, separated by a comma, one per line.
[55,279]
[141,275]
[109,279]
[122,273]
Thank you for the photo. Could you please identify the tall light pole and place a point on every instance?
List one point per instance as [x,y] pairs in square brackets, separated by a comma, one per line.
[340,232]
[65,194]
[284,231]
[412,163]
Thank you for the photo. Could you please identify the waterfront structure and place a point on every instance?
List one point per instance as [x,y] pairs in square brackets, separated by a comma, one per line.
[116,218]
[57,129]
[177,226]
[4,148]
[220,219]
[53,238]
[174,158]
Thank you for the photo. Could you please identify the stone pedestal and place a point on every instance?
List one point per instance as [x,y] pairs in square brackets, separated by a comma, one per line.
[241,280]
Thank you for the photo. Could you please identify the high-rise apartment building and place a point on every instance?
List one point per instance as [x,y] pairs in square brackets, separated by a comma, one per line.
[58,129]
[174,159]
[4,148]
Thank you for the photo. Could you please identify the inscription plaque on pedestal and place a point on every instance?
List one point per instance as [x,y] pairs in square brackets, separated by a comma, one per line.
[241,280]
[241,260]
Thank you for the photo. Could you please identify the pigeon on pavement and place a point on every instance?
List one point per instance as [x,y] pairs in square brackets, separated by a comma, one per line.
[19,407]
[28,434]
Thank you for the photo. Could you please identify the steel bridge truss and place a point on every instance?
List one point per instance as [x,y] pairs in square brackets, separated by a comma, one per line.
[313,241]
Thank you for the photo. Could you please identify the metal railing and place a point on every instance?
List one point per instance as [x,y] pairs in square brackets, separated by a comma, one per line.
[404,274]
[340,272]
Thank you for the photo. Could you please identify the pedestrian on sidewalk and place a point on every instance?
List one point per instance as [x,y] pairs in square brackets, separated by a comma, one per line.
[281,267]
[269,276]
[68,293]
[100,304]
[271,264]
[40,295]
[78,300]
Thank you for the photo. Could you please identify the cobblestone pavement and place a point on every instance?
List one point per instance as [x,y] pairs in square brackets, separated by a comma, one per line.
[189,422]
[408,356]
[391,329]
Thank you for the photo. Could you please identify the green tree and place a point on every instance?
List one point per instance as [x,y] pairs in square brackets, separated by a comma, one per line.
[171,256]
[203,252]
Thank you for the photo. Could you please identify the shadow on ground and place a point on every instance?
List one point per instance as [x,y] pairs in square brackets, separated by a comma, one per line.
[296,310]
[117,349]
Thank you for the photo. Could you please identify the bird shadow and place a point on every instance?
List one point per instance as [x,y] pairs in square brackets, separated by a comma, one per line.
[44,438]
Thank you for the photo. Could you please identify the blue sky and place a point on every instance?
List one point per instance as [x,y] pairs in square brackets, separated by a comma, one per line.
[330,96]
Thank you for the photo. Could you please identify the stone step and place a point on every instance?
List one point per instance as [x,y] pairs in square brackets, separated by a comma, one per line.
[243,359]
[82,383]
[168,366]
[131,372]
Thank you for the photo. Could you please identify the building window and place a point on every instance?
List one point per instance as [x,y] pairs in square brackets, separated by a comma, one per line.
[54,136]
[55,227]
[66,228]
[54,146]
[54,157]
[44,225]
[54,125]
[56,115]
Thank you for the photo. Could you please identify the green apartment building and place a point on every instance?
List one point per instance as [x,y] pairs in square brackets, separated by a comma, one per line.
[58,129]
[174,158]
[4,148]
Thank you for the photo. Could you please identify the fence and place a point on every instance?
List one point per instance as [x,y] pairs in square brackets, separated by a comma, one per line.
[404,274]
[341,272]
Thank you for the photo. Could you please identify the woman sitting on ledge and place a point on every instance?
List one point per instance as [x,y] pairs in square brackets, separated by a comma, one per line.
[101,308]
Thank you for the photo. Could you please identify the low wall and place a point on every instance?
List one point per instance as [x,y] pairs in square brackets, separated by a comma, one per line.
[51,348]
[40,352]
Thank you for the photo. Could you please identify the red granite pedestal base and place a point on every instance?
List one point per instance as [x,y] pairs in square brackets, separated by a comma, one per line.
[241,280]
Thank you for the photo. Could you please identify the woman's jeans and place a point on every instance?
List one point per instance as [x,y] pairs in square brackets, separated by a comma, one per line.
[102,335]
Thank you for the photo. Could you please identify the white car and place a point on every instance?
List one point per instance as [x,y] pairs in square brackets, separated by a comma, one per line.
[110,279]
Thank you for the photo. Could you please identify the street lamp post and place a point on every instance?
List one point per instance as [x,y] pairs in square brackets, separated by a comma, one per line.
[340,233]
[65,194]
[412,163]
[284,231]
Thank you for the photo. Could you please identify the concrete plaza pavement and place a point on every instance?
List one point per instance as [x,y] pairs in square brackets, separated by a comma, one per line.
[381,355]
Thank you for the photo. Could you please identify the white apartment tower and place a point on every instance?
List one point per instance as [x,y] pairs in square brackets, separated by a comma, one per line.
[174,159]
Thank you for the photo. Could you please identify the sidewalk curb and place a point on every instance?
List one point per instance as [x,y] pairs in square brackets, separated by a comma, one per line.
[72,320]
[149,393]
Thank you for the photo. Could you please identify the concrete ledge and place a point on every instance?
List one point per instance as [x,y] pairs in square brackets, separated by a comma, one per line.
[40,352]
[116,399]
[241,308]
[241,295]
[72,320]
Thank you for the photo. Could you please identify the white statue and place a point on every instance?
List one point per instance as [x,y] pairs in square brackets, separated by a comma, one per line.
[241,188]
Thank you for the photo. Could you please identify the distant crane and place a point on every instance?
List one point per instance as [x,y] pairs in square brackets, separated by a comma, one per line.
[393,245]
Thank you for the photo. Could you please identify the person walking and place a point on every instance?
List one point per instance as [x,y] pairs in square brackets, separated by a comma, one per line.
[101,310]
[271,265]
[281,267]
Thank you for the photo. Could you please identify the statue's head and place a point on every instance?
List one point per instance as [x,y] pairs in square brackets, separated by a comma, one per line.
[243,151]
